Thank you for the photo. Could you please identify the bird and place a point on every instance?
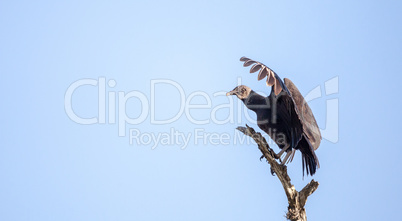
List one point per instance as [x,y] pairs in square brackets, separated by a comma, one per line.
[284,115]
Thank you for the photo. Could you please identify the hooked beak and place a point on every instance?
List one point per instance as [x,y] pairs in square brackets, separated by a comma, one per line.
[231,93]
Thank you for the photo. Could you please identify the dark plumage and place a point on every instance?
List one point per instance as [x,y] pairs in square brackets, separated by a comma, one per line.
[284,115]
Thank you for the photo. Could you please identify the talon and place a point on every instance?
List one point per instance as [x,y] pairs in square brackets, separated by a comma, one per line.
[261,157]
[272,172]
[276,156]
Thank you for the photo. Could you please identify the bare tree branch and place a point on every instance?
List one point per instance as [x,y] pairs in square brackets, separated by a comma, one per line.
[296,200]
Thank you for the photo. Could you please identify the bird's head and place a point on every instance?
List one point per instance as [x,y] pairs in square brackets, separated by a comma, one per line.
[242,92]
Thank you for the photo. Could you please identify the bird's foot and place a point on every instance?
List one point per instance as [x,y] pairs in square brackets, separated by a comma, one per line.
[272,172]
[262,156]
[282,164]
[276,156]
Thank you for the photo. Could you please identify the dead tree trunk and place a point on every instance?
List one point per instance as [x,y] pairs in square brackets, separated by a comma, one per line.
[296,199]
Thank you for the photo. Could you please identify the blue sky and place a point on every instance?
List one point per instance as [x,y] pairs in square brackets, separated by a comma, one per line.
[56,169]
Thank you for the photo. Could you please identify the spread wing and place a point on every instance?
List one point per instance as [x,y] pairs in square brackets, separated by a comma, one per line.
[310,127]
[303,111]
[272,78]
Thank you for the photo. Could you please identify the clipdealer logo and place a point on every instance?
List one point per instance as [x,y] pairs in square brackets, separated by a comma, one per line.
[112,105]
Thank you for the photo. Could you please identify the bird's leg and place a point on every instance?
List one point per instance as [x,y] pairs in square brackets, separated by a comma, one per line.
[286,157]
[279,155]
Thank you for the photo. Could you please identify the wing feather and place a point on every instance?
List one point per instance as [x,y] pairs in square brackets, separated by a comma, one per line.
[262,74]
[272,80]
[310,127]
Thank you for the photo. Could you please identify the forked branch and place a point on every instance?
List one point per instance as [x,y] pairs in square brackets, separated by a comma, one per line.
[297,200]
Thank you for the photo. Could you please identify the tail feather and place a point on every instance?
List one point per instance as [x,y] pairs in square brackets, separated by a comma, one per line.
[309,159]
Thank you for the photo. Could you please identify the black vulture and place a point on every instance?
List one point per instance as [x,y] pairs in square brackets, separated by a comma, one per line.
[284,115]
